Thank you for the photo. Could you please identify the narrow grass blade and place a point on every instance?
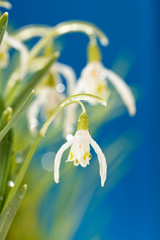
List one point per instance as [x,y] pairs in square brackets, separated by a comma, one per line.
[15,117]
[3,25]
[5,150]
[7,217]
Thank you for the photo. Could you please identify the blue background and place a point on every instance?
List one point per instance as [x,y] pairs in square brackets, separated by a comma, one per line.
[129,25]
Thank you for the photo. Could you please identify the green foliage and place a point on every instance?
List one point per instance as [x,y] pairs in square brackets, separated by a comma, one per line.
[5,151]
[7,217]
[14,117]
[3,25]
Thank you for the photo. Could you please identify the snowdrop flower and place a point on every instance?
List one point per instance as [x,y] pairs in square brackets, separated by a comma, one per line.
[50,93]
[4,56]
[80,150]
[47,99]
[93,80]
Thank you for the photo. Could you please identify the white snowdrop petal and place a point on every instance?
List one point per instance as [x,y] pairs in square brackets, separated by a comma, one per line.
[24,54]
[32,114]
[101,159]
[80,147]
[58,157]
[68,74]
[123,90]
[69,137]
[92,81]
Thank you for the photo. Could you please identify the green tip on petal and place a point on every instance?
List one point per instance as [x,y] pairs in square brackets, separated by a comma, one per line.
[83,122]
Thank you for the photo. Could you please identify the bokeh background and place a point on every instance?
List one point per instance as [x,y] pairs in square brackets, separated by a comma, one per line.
[131,208]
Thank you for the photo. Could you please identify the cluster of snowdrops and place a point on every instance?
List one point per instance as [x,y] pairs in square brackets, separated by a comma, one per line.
[52,94]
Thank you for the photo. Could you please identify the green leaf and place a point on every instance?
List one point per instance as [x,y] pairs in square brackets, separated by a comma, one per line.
[32,84]
[1,106]
[16,115]
[5,150]
[21,174]
[8,215]
[3,25]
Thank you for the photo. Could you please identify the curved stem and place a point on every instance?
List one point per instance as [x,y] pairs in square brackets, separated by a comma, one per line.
[66,102]
[82,106]
[30,31]
[5,4]
[49,33]
[69,27]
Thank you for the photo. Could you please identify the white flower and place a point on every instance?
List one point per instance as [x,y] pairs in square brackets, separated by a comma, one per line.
[68,73]
[50,94]
[93,81]
[4,56]
[80,150]
[46,100]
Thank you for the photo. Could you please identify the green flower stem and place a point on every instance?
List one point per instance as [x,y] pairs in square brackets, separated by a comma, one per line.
[82,106]
[72,99]
[27,32]
[66,102]
[69,27]
[49,33]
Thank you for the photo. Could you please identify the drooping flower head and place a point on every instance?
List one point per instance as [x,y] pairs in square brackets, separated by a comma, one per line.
[80,150]
[93,79]
[49,94]
[47,98]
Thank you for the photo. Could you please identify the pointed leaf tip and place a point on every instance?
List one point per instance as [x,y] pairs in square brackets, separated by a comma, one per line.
[3,25]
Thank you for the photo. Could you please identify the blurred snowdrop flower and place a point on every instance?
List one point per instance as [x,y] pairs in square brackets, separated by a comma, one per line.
[80,150]
[4,56]
[47,99]
[93,80]
[11,42]
[68,73]
[49,94]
